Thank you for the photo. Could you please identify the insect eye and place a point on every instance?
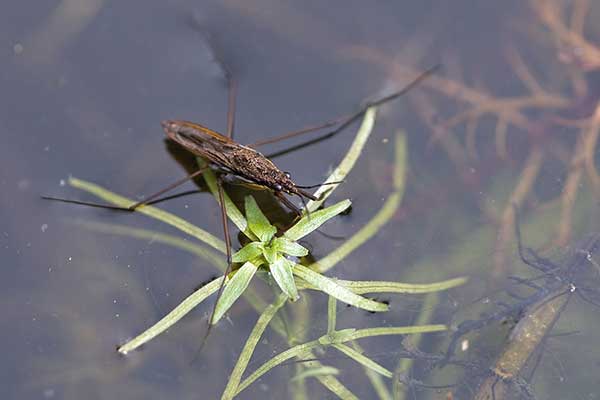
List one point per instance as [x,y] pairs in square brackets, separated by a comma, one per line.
[278,187]
[287,175]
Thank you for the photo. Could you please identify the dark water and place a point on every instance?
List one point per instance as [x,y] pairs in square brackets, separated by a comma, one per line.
[84,87]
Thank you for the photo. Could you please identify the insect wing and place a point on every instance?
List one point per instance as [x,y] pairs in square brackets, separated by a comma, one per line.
[201,141]
[201,133]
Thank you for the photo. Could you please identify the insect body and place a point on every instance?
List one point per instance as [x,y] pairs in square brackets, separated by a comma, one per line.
[233,158]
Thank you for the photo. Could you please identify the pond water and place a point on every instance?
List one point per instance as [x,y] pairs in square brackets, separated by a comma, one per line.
[511,117]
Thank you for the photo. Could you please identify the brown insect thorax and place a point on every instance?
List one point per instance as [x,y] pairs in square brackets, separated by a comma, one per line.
[256,167]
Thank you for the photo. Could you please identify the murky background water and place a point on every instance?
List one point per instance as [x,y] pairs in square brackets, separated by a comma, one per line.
[511,117]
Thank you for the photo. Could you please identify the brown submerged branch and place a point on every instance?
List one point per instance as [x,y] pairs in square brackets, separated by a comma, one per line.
[538,117]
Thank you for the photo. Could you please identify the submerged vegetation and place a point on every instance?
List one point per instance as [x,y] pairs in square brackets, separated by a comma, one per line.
[527,141]
[531,318]
[536,131]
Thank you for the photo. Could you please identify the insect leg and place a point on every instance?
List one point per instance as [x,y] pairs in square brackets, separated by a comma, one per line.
[167,189]
[146,201]
[231,103]
[229,264]
[227,74]
[299,132]
[288,203]
[343,121]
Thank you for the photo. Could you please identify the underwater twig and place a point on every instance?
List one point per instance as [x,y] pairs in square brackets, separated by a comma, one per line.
[405,364]
[506,230]
[536,314]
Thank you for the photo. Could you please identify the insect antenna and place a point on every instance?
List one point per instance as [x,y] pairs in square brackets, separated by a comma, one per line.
[227,270]
[168,188]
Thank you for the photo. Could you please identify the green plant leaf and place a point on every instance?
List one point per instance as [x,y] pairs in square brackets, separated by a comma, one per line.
[153,212]
[329,286]
[313,372]
[343,335]
[281,270]
[234,289]
[257,221]
[363,360]
[171,318]
[233,383]
[309,223]
[233,213]
[379,385]
[335,338]
[347,163]
[284,245]
[362,287]
[382,217]
[270,254]
[248,252]
[395,330]
[295,351]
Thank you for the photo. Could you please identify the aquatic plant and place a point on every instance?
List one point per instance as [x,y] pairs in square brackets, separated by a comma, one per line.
[269,252]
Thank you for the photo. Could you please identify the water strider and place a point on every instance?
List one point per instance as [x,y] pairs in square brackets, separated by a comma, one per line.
[236,159]
[243,161]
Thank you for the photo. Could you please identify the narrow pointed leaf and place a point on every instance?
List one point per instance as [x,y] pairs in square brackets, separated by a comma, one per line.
[343,335]
[382,217]
[257,221]
[175,315]
[329,286]
[296,351]
[265,319]
[363,360]
[284,245]
[248,252]
[150,211]
[234,289]
[281,270]
[309,223]
[347,163]
[314,372]
[362,287]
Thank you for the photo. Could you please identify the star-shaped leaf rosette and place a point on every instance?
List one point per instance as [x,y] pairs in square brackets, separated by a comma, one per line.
[272,252]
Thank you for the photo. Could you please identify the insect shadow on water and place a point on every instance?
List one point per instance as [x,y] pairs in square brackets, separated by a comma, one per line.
[243,163]
[534,317]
